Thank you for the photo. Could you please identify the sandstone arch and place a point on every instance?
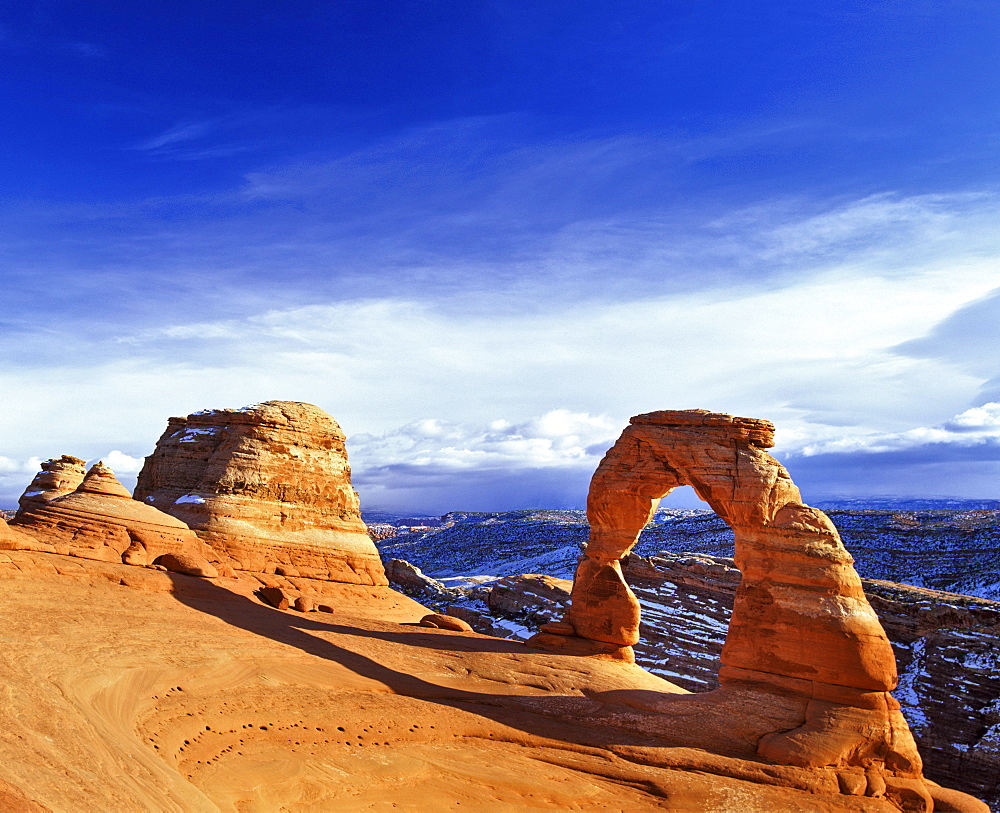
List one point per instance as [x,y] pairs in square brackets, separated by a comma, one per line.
[802,635]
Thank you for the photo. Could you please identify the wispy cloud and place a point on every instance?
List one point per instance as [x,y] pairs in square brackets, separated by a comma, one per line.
[466,208]
[179,134]
[977,427]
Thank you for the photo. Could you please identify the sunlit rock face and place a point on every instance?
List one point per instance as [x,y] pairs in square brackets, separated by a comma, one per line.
[945,645]
[56,478]
[100,520]
[13,538]
[268,486]
[802,639]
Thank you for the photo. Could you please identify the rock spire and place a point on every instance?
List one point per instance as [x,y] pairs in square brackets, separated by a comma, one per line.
[57,478]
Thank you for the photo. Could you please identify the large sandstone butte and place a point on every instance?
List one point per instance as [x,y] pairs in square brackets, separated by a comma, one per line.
[98,519]
[804,647]
[268,486]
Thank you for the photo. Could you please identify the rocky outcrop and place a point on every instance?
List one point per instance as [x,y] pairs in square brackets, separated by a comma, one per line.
[269,487]
[57,478]
[100,520]
[411,578]
[804,646]
[531,592]
[14,539]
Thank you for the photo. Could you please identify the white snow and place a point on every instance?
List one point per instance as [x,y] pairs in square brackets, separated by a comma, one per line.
[906,692]
[987,661]
[468,581]
[194,433]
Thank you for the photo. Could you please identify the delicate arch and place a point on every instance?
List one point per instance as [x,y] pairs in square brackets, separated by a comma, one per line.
[801,625]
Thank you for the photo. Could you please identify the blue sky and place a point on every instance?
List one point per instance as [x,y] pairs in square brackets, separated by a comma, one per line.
[484,234]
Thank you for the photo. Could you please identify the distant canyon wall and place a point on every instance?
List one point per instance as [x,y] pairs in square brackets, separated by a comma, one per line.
[950,550]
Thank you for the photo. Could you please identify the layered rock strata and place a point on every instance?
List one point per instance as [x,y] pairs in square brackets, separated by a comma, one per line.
[56,478]
[268,486]
[100,520]
[803,639]
[14,539]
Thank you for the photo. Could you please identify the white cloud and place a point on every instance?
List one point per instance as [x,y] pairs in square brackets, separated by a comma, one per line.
[121,463]
[558,439]
[14,478]
[978,426]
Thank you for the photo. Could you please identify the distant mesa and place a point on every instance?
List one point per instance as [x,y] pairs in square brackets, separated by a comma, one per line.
[98,519]
[268,486]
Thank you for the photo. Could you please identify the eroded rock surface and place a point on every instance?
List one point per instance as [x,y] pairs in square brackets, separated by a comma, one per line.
[945,645]
[100,520]
[803,641]
[56,478]
[14,539]
[208,699]
[269,487]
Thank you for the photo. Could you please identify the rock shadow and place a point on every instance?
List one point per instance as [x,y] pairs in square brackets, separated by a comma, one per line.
[571,719]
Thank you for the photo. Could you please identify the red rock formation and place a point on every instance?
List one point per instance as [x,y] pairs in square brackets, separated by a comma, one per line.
[445,622]
[13,539]
[269,487]
[100,520]
[57,478]
[803,639]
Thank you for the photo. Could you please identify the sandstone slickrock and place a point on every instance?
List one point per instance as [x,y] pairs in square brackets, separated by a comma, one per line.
[206,699]
[803,640]
[268,486]
[14,539]
[100,520]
